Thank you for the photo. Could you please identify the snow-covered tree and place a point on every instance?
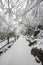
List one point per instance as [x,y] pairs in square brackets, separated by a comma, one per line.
[21,14]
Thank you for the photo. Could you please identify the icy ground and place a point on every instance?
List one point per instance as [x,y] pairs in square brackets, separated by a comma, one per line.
[18,54]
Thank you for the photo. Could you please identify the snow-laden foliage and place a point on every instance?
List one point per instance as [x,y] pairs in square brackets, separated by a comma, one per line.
[20,16]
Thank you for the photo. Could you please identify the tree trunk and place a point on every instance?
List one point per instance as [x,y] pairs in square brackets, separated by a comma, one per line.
[8,39]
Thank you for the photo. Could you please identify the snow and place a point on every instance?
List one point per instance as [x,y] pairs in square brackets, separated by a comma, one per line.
[39,40]
[4,42]
[18,54]
[39,44]
[28,13]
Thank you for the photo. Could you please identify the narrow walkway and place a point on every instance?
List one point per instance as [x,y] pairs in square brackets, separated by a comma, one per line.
[18,54]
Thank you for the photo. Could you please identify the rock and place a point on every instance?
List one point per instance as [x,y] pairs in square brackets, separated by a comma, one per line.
[40,26]
[9,46]
[36,32]
[1,52]
[38,61]
[37,52]
[32,43]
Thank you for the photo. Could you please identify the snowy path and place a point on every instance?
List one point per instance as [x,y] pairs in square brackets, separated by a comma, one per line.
[18,54]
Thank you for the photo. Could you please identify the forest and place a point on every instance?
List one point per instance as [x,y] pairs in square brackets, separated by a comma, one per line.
[21,32]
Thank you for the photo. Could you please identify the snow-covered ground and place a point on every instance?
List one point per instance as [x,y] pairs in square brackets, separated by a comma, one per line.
[18,54]
[26,15]
[5,42]
[39,40]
